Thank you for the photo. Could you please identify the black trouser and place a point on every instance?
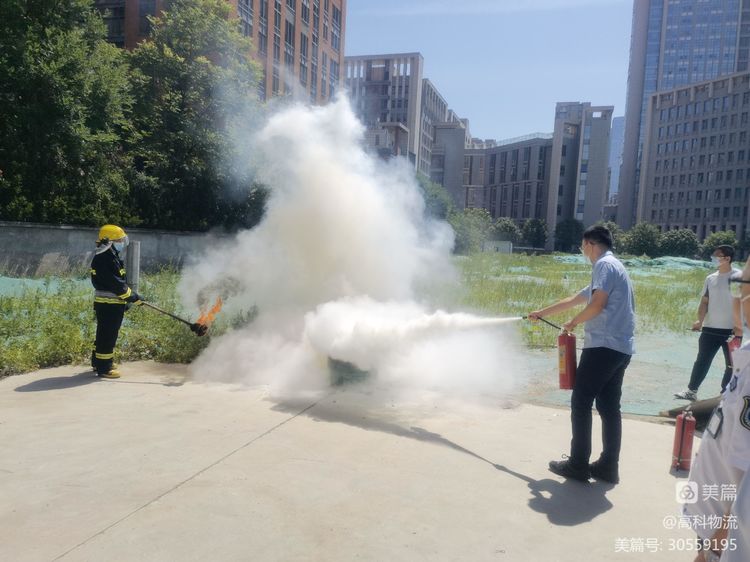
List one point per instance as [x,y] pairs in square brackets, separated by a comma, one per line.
[598,377]
[108,322]
[708,344]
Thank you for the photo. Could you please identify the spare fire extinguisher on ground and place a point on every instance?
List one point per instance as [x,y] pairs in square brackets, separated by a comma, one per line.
[682,450]
[566,349]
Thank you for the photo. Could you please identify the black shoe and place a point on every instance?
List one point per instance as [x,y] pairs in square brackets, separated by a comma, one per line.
[565,469]
[604,472]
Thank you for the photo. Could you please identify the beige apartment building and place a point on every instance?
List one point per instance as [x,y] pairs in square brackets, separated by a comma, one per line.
[696,159]
[299,43]
[398,106]
[554,177]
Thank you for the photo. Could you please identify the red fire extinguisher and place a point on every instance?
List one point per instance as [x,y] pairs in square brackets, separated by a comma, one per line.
[566,349]
[682,450]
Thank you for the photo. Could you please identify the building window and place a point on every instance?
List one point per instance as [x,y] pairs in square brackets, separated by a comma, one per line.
[146,8]
[245,11]
[303,59]
[336,29]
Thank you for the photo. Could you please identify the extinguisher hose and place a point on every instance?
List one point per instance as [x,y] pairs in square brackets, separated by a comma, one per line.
[555,326]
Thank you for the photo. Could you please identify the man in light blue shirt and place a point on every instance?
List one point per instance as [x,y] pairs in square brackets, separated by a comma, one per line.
[609,318]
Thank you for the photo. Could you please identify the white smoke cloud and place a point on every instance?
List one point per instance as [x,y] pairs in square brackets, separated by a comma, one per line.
[334,269]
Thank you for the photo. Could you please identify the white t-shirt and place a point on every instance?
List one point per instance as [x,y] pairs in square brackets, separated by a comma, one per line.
[721,461]
[720,312]
[738,540]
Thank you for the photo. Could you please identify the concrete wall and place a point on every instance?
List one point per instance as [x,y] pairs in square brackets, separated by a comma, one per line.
[28,249]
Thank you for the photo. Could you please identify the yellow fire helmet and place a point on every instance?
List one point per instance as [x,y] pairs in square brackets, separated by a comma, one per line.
[111,233]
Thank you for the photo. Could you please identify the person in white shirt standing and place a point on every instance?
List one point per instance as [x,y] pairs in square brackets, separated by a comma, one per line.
[719,472]
[718,319]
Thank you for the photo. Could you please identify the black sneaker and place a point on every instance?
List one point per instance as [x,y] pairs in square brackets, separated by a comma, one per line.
[605,473]
[565,469]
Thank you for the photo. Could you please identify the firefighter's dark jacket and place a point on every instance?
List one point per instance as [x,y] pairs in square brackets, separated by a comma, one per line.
[108,278]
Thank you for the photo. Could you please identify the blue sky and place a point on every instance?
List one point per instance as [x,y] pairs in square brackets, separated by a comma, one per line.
[504,63]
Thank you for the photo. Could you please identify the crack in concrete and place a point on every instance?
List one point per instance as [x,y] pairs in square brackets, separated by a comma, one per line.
[180,484]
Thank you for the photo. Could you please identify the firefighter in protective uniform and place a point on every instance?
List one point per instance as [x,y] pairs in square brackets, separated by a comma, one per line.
[111,297]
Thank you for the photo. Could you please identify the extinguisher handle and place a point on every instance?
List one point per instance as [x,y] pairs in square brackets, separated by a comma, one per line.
[555,326]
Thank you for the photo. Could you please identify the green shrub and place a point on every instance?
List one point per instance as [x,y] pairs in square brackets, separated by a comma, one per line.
[681,243]
[56,326]
[642,240]
[723,237]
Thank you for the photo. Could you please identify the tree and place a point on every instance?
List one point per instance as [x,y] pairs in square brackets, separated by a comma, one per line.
[721,238]
[568,234]
[63,116]
[681,243]
[437,200]
[472,228]
[535,233]
[642,239]
[506,229]
[194,87]
[744,245]
[617,234]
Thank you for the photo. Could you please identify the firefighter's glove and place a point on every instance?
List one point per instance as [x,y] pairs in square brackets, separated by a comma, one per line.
[135,299]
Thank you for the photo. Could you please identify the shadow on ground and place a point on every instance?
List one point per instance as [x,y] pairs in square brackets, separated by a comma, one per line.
[58,383]
[81,379]
[566,503]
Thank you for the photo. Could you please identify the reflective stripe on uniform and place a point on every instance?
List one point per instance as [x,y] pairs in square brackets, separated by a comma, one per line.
[122,272]
[107,297]
[106,300]
[104,355]
[108,294]
[126,294]
[93,272]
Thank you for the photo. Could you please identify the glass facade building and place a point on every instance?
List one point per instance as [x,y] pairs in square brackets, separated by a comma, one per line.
[675,43]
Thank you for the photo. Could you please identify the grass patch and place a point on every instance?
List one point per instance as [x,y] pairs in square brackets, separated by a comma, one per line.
[54,324]
[513,285]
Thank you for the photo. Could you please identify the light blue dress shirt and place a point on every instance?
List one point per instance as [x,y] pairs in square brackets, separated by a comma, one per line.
[613,327]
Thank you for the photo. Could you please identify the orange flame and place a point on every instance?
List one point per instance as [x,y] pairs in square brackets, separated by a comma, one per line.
[207,318]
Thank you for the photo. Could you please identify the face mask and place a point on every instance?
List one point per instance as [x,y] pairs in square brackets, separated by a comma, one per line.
[715,260]
[119,246]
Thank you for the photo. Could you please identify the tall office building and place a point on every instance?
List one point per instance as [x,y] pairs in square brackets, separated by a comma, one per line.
[696,158]
[394,101]
[616,138]
[675,43]
[299,43]
[579,164]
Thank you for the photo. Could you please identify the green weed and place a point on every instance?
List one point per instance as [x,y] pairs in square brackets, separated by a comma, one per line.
[513,285]
[54,325]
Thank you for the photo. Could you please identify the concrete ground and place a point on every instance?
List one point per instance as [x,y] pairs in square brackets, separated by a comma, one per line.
[155,467]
